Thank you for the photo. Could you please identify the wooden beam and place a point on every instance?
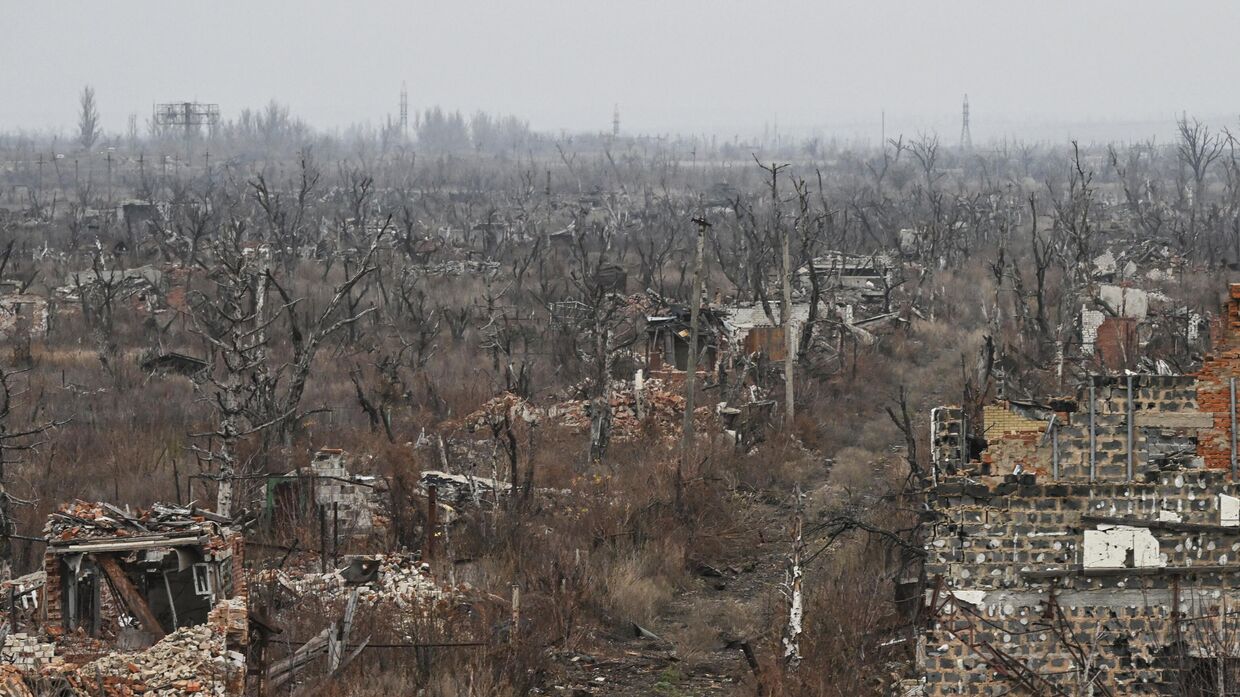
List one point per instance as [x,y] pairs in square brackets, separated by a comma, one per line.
[124,544]
[349,659]
[130,595]
[279,672]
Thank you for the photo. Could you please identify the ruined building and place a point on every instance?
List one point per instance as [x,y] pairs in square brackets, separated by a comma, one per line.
[134,602]
[1090,545]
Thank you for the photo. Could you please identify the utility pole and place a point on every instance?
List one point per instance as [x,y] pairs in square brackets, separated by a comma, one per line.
[109,178]
[789,339]
[785,310]
[695,305]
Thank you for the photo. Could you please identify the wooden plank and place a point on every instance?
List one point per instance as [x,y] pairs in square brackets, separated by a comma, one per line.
[335,648]
[125,517]
[130,596]
[301,655]
[340,638]
[349,659]
[290,666]
[113,545]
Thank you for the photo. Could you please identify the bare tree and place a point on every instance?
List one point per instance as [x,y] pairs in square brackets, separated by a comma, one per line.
[610,328]
[252,392]
[1198,149]
[925,150]
[12,442]
[100,295]
[287,223]
[1074,222]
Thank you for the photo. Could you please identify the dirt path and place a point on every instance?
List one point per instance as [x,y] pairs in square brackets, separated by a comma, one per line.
[697,650]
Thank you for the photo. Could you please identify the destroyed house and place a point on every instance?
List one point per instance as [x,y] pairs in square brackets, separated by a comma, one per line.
[669,335]
[610,278]
[140,218]
[165,568]
[755,331]
[174,363]
[127,603]
[841,270]
[1089,545]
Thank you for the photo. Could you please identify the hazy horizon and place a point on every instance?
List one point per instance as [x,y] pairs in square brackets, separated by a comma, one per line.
[692,67]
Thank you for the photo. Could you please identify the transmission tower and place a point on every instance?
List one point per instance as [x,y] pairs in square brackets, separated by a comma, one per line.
[615,122]
[404,109]
[966,138]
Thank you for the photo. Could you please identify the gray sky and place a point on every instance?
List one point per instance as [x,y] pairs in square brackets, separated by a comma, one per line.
[697,66]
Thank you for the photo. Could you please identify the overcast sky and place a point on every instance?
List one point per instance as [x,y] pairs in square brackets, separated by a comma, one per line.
[696,66]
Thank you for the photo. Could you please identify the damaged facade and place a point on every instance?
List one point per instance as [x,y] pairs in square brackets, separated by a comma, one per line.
[156,602]
[150,602]
[1089,545]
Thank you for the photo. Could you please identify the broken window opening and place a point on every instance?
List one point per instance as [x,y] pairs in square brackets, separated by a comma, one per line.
[202,580]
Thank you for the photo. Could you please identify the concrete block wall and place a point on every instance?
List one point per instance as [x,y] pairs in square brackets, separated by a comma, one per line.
[945,437]
[1110,638]
[986,539]
[1090,321]
[352,502]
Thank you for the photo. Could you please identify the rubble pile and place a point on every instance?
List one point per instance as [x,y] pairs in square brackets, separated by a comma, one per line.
[494,410]
[189,661]
[662,407]
[459,489]
[398,581]
[82,520]
[468,267]
[12,683]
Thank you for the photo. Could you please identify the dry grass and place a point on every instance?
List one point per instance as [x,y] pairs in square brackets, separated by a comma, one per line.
[638,585]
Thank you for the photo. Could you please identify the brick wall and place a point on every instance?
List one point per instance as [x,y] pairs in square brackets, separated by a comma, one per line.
[1000,419]
[1215,376]
[53,607]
